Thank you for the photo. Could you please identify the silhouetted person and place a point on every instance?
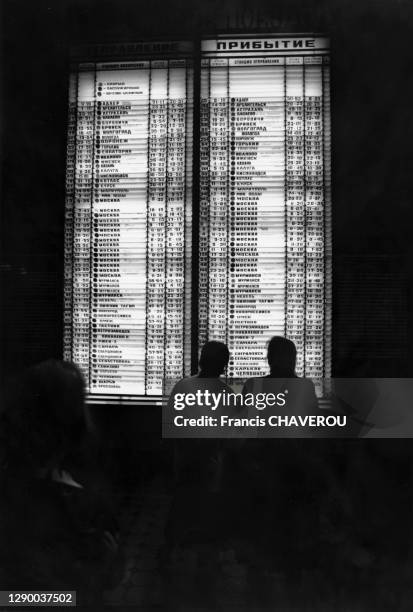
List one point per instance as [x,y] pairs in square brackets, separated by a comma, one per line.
[53,533]
[196,459]
[213,359]
[308,497]
[287,483]
[192,528]
[281,356]
[299,392]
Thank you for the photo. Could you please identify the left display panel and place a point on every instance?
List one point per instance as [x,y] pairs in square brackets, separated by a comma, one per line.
[128,223]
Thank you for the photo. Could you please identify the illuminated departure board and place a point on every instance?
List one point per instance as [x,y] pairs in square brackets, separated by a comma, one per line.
[159,260]
[129,223]
[265,218]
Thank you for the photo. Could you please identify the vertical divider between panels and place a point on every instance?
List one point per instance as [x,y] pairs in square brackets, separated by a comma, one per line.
[324,218]
[184,289]
[305,222]
[147,229]
[286,211]
[76,110]
[229,199]
[91,233]
[165,308]
[196,201]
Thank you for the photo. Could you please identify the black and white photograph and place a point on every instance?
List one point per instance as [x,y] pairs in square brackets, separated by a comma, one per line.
[206,318]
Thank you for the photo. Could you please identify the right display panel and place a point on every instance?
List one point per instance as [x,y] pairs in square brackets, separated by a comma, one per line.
[265,200]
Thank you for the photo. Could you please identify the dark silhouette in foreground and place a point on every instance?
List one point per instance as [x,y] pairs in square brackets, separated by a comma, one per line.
[198,461]
[299,393]
[293,478]
[198,469]
[54,533]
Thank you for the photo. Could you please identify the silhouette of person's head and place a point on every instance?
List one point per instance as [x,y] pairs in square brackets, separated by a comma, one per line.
[214,359]
[45,418]
[281,356]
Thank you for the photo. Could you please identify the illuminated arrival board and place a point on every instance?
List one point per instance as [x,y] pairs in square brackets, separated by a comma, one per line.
[129,224]
[262,222]
[265,219]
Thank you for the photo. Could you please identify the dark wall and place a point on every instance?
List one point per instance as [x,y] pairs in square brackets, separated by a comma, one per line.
[372,159]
